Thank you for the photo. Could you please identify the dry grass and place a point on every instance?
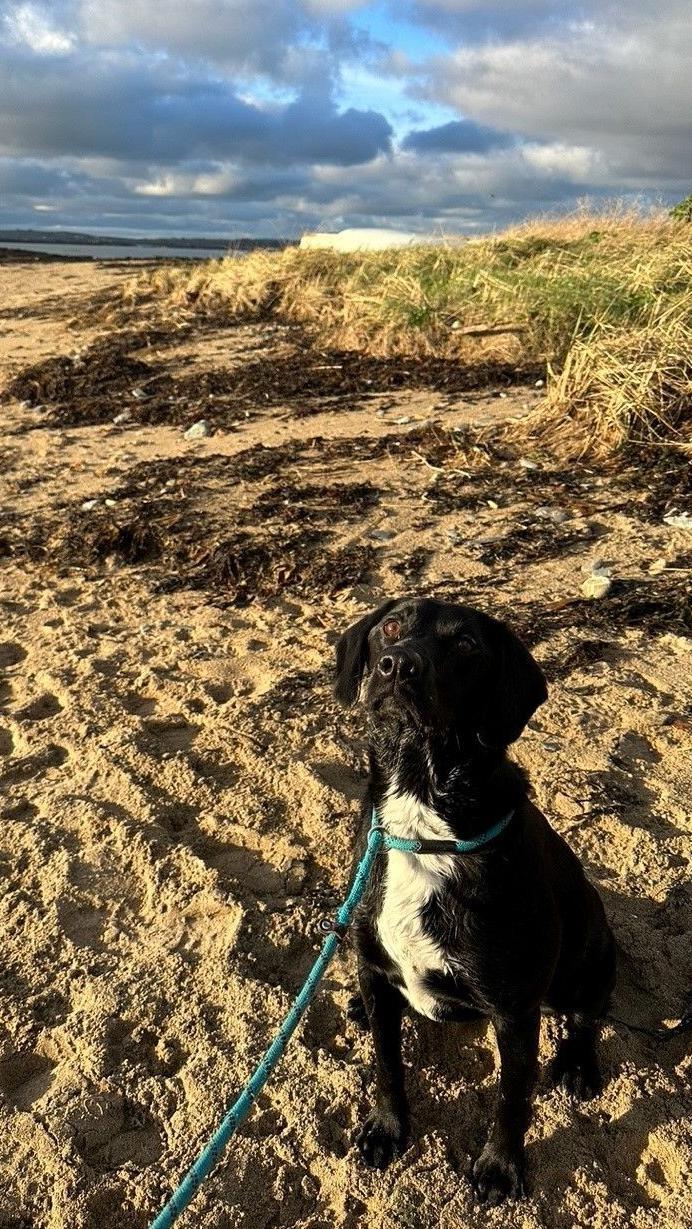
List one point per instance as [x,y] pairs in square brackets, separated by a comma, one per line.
[604,300]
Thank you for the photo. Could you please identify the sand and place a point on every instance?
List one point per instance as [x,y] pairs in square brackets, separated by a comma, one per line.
[179,795]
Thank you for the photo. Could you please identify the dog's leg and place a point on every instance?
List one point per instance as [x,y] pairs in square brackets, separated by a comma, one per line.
[499,1170]
[355,1011]
[383,1134]
[575,1067]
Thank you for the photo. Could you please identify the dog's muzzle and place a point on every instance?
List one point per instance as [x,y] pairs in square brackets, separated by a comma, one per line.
[399,665]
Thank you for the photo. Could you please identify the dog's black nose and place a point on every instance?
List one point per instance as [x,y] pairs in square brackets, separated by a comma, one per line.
[399,664]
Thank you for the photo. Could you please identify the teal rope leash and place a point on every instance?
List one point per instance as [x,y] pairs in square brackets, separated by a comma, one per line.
[377,840]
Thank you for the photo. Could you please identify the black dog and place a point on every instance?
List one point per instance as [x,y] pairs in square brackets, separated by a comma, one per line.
[497,932]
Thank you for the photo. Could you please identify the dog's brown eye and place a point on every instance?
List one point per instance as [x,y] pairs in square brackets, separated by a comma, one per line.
[466,644]
[391,629]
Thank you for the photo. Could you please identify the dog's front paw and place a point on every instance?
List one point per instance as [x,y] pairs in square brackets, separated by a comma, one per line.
[381,1139]
[497,1177]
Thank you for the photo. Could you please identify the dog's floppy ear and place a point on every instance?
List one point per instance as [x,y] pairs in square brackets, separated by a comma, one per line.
[351,649]
[518,689]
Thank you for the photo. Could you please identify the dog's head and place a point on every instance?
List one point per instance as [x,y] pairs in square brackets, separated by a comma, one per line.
[440,666]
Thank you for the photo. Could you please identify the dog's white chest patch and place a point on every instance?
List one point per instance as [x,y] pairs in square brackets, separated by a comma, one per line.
[410,882]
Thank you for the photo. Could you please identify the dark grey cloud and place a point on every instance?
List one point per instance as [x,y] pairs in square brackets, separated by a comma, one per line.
[458,136]
[124,106]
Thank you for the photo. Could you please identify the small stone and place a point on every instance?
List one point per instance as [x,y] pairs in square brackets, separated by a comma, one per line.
[89,505]
[539,384]
[140,395]
[110,503]
[382,535]
[596,585]
[123,416]
[504,395]
[557,516]
[198,431]
[526,463]
[401,422]
[657,566]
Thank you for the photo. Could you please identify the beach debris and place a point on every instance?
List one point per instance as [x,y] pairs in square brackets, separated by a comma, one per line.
[678,520]
[198,431]
[598,583]
[557,516]
[124,416]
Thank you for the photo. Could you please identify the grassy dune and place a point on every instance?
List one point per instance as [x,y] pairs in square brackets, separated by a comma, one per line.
[605,301]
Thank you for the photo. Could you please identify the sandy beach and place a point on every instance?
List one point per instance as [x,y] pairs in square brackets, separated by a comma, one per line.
[180,791]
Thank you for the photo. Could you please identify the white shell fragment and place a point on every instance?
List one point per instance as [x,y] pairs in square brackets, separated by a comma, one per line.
[596,585]
[678,520]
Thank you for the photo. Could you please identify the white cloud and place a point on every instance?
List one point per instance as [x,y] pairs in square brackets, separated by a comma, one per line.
[30,26]
[621,88]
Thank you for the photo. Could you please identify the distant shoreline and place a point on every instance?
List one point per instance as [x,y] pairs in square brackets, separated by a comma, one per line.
[32,238]
[9,256]
[61,253]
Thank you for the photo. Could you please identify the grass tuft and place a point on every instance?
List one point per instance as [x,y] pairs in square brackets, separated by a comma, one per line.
[604,301]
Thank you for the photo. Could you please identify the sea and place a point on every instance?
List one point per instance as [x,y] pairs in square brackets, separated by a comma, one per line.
[106,251]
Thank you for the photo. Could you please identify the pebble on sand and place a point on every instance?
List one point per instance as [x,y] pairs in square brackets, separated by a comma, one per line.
[198,431]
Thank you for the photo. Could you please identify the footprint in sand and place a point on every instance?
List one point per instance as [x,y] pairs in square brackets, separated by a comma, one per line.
[82,924]
[220,693]
[169,734]
[139,706]
[42,708]
[25,1078]
[110,1131]
[33,765]
[11,654]
[663,1166]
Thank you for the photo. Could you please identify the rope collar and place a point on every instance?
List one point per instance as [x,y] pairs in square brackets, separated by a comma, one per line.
[379,835]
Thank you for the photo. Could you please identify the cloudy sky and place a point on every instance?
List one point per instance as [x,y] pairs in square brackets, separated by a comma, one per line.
[272,117]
